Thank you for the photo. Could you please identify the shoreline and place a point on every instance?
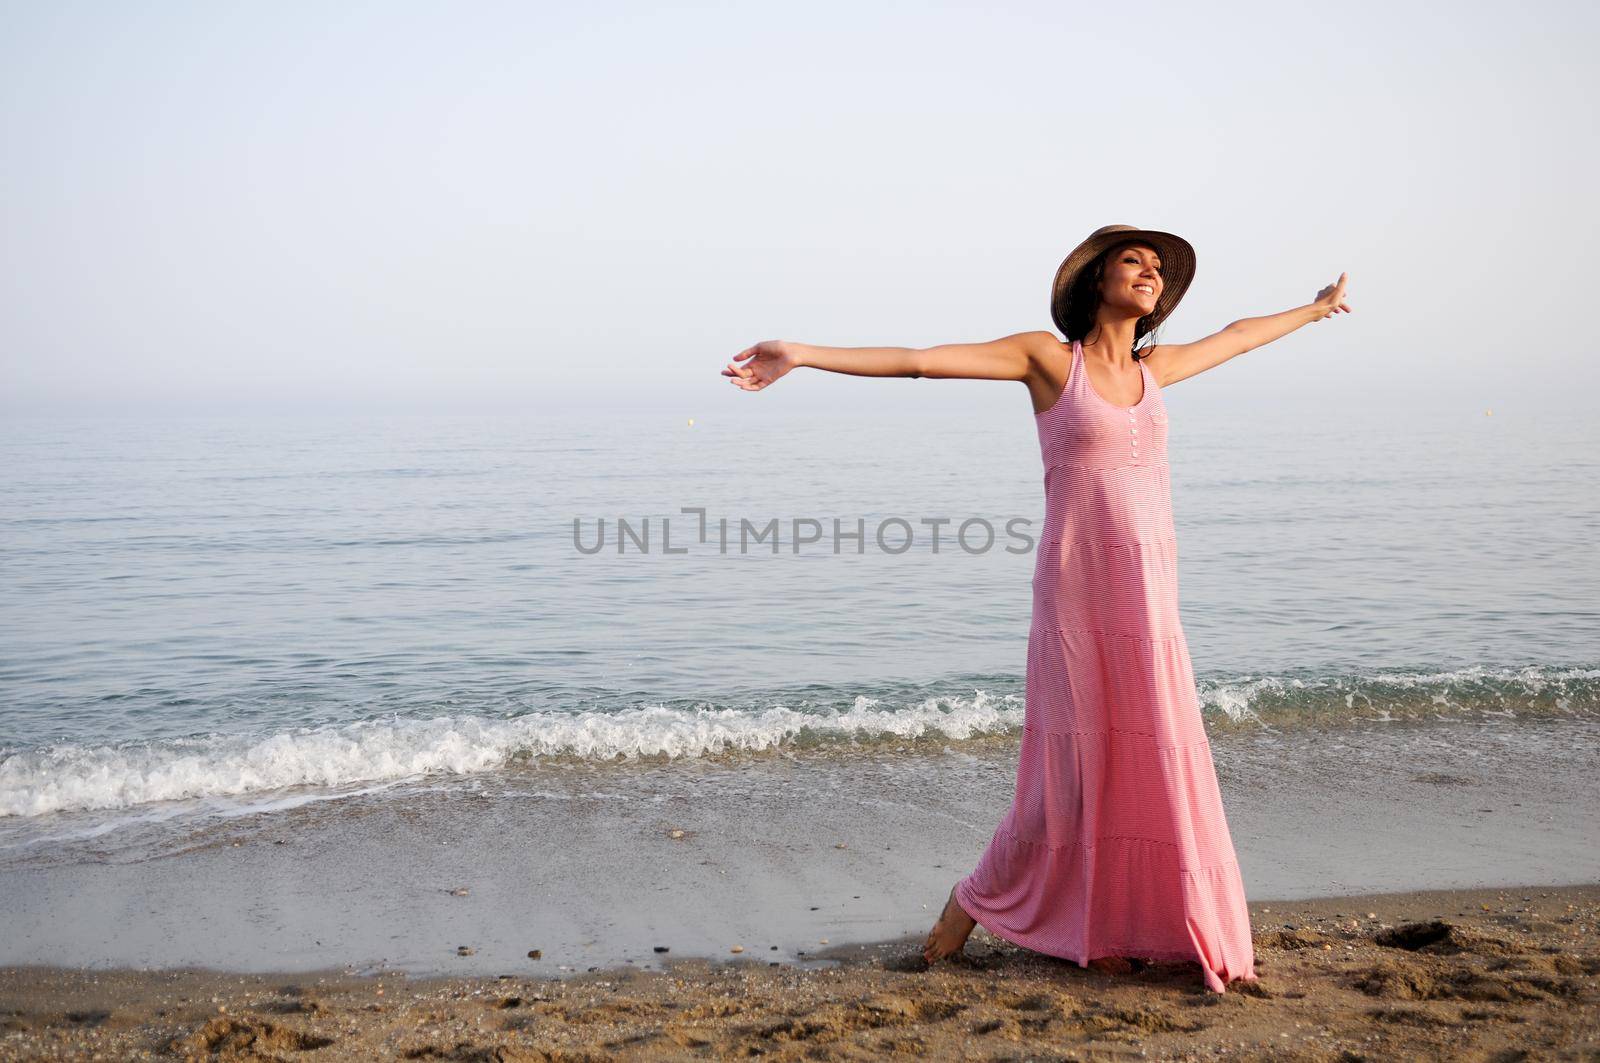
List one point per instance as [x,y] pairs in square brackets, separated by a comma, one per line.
[1436,973]
[599,868]
[332,930]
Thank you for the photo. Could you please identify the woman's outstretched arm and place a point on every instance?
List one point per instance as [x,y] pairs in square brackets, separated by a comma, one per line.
[1008,358]
[1172,362]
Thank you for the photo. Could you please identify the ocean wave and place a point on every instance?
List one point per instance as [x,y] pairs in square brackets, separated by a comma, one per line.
[82,777]
[1475,692]
[78,778]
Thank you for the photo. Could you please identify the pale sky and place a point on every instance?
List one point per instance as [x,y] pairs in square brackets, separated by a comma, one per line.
[539,206]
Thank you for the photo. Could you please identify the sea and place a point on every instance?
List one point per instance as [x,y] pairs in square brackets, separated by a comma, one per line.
[207,617]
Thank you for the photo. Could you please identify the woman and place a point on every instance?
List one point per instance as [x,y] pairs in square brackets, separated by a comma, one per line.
[1116,846]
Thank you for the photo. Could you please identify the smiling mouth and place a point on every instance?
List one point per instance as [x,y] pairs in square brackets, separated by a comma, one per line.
[1144,288]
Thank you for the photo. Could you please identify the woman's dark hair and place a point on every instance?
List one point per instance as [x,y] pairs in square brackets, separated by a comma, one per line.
[1084,304]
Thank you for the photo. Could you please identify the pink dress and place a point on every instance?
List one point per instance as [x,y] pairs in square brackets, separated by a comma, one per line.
[1115,843]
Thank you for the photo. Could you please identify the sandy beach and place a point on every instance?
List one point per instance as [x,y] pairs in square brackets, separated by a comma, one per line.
[1493,974]
[775,906]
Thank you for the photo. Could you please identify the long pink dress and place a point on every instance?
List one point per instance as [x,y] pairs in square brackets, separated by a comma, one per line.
[1115,843]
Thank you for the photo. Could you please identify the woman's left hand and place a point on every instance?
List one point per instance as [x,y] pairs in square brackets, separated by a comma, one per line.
[1330,300]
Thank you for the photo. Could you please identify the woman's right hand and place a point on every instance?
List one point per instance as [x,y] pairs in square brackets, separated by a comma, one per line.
[764,363]
[1330,300]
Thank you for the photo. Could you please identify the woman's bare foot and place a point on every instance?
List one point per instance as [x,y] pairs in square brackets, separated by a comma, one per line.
[1112,965]
[949,934]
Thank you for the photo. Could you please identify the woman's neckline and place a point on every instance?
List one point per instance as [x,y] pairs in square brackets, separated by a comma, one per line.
[1144,381]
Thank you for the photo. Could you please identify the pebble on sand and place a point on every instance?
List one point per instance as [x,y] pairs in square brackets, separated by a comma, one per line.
[465,950]
[737,948]
[534,954]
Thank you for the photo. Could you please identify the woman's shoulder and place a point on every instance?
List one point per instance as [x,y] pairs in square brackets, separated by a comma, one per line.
[1051,369]
[1047,347]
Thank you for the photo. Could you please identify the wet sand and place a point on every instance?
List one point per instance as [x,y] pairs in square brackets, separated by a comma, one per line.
[1488,974]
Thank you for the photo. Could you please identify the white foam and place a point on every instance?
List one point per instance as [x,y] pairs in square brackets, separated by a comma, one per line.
[77,778]
[1237,697]
[70,778]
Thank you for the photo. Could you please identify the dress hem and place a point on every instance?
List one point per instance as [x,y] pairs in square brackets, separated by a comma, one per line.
[1215,982]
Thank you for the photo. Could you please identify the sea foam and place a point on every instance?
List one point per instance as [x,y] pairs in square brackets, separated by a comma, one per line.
[76,777]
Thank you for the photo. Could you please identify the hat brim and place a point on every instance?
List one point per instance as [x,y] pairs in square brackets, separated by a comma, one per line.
[1177,269]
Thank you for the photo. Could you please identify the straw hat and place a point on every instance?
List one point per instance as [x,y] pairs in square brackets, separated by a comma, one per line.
[1177,269]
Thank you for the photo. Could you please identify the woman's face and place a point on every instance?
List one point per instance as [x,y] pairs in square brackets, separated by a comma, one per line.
[1132,279]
